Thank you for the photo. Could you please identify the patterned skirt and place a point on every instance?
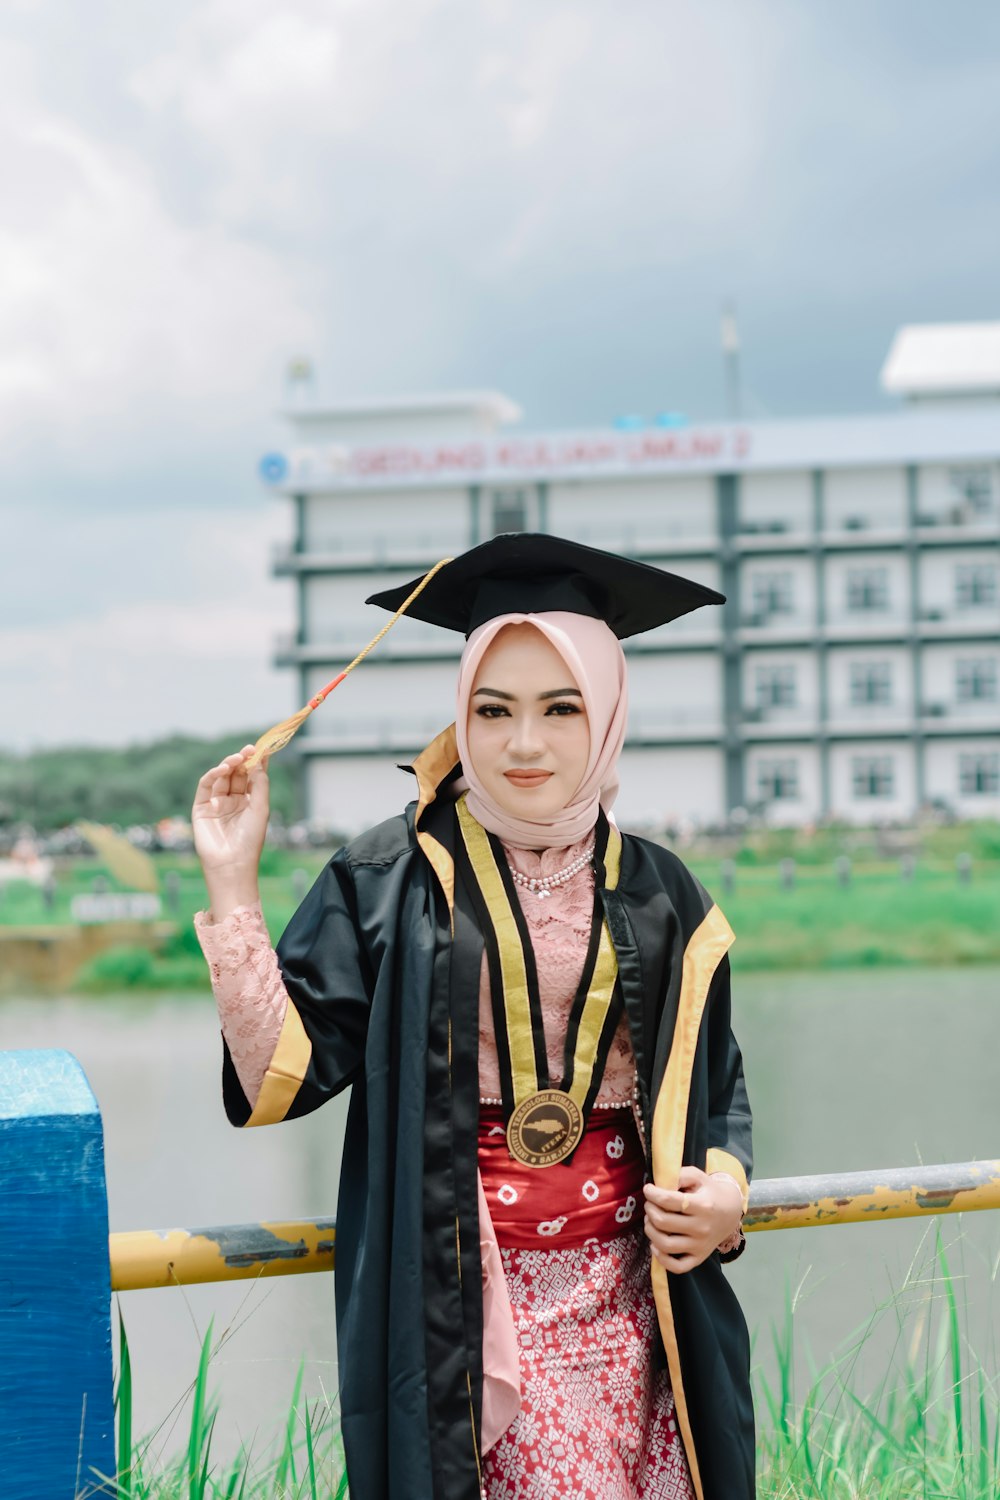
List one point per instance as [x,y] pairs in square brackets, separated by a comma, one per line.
[596,1420]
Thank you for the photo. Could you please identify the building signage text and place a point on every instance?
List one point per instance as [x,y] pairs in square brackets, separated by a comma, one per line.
[690,448]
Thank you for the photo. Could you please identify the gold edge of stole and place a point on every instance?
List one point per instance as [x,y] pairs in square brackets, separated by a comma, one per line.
[517,1007]
[602,985]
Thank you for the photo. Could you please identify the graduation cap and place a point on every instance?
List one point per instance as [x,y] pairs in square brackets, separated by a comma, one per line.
[521,573]
[530,572]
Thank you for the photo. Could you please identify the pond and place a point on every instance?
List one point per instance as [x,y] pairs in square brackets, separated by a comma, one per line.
[846,1070]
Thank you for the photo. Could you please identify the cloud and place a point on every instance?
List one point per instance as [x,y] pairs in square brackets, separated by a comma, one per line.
[428,193]
[115,314]
[135,672]
[155,622]
[258,88]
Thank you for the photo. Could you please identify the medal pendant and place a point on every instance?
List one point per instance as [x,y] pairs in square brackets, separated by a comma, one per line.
[544,1129]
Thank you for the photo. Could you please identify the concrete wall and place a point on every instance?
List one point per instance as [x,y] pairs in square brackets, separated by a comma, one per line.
[864,499]
[676,694]
[353,792]
[679,785]
[386,704]
[613,513]
[354,520]
[780,500]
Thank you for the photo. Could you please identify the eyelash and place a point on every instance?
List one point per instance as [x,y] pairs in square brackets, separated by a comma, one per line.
[497,710]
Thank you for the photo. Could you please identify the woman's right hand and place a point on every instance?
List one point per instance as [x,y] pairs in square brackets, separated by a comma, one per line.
[229,822]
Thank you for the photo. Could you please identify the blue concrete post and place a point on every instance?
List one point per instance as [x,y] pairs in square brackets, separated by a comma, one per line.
[56,1414]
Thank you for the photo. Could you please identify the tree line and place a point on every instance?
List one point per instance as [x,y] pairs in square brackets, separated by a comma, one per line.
[141,783]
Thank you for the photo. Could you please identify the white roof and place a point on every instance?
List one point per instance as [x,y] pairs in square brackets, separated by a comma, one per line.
[943,358]
[492,406]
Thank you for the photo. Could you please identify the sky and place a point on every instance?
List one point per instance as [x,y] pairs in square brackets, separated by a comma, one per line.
[553,200]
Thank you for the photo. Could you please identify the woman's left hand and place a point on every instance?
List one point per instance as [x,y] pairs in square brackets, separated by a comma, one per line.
[686,1225]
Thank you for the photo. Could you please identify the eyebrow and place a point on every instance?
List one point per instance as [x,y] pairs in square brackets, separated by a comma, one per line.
[510,697]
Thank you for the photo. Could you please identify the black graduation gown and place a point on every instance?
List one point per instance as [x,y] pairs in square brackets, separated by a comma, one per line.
[381,963]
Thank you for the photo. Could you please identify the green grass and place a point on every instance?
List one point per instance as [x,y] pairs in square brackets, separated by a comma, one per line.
[879,918]
[927,1428]
[305,1461]
[930,920]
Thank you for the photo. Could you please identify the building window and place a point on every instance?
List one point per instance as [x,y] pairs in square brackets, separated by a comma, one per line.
[872,775]
[777,780]
[976,679]
[871,682]
[772,595]
[979,775]
[975,585]
[510,511]
[776,687]
[867,589]
[972,489]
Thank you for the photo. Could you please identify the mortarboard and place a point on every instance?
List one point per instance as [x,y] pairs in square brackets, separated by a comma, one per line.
[521,573]
[530,572]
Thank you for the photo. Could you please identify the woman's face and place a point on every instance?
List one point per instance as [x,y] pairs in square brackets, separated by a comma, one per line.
[529,736]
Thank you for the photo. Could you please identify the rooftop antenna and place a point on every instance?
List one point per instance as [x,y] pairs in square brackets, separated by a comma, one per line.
[731,358]
[300,381]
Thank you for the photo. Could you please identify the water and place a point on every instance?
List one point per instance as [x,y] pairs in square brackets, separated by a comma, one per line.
[846,1070]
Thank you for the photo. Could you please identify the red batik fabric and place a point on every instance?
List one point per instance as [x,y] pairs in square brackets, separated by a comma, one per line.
[596,1421]
[597,1194]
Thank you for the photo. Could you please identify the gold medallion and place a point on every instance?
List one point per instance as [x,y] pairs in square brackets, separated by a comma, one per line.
[544,1128]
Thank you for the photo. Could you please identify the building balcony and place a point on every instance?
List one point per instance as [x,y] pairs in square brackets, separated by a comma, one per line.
[420,642]
[960,517]
[646,543]
[773,536]
[946,622]
[416,550]
[403,550]
[858,625]
[779,721]
[858,534]
[404,734]
[674,725]
[787,628]
[411,551]
[974,714]
[414,641]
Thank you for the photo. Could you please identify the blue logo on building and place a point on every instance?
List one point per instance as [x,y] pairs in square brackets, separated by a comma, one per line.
[273,468]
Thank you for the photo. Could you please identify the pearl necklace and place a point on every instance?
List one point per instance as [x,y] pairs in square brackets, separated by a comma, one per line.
[543,885]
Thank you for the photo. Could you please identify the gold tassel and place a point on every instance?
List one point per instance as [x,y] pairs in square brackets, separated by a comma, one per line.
[277,738]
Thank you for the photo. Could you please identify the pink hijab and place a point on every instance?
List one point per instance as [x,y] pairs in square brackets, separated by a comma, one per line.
[594,655]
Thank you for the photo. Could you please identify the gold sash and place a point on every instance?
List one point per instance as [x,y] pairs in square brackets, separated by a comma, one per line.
[544,1124]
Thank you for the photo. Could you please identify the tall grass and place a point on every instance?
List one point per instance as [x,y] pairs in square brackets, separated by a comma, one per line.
[927,1430]
[306,1462]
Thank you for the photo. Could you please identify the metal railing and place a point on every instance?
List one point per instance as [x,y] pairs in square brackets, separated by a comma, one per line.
[241,1252]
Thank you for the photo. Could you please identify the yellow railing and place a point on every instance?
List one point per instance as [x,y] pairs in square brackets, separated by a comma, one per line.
[238,1252]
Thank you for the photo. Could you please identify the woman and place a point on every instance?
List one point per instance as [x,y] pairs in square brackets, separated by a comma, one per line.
[533,1011]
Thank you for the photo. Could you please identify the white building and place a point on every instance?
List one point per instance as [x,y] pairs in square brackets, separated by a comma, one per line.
[853,673]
